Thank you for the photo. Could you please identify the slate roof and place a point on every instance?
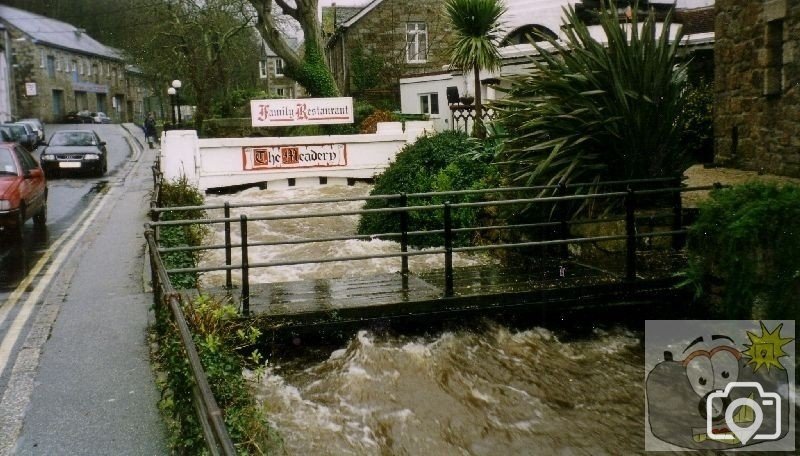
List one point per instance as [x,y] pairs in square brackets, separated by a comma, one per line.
[54,33]
[343,14]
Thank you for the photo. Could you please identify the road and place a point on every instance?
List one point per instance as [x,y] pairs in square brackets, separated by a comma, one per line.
[73,313]
[68,199]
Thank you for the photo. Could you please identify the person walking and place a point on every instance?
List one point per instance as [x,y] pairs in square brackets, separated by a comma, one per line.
[150,128]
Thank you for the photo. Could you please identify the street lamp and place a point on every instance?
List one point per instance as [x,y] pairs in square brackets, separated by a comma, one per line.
[176,85]
[171,92]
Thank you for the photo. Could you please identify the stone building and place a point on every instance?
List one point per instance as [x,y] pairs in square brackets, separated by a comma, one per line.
[273,79]
[757,85]
[55,68]
[385,40]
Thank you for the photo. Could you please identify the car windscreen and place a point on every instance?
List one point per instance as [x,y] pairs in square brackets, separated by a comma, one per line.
[7,164]
[73,138]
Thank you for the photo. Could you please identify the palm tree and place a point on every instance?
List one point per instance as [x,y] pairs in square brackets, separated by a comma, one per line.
[477,26]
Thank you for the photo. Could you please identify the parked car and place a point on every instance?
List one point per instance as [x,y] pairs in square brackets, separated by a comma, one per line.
[24,135]
[38,127]
[74,150]
[80,117]
[100,118]
[23,190]
[7,134]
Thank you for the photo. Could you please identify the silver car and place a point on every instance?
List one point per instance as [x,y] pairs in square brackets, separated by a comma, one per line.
[38,127]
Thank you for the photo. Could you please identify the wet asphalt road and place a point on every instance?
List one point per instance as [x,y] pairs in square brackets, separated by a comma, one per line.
[68,197]
[74,370]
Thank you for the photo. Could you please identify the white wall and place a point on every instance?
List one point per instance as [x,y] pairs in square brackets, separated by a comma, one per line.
[413,87]
[218,162]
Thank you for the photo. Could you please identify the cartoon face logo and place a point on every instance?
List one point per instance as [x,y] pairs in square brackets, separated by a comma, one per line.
[714,396]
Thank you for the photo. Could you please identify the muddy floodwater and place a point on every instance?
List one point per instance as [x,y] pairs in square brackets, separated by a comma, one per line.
[486,389]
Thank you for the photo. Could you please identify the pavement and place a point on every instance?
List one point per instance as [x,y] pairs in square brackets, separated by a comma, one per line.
[92,391]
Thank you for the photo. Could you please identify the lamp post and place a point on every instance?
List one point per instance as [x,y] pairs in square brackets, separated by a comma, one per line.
[171,92]
[176,84]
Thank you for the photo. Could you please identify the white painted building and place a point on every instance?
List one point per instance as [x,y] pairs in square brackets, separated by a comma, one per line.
[417,92]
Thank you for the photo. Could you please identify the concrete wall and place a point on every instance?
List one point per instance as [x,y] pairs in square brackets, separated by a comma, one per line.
[218,162]
[757,85]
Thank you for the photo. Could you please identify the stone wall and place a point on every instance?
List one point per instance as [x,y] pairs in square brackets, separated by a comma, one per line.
[757,85]
[381,34]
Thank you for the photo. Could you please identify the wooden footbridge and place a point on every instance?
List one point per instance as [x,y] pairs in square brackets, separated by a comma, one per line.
[548,268]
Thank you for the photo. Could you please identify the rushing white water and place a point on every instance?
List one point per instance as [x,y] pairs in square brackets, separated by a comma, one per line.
[495,391]
[488,393]
[296,229]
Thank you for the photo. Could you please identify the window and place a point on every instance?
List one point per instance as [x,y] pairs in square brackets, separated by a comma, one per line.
[280,92]
[43,59]
[416,42]
[262,69]
[773,77]
[279,67]
[429,103]
[51,66]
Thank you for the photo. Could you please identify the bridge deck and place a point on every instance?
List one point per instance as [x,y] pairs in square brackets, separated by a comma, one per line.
[305,306]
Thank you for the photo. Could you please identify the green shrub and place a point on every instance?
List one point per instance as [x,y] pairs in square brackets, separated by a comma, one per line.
[217,333]
[697,133]
[440,162]
[745,246]
[597,111]
[175,194]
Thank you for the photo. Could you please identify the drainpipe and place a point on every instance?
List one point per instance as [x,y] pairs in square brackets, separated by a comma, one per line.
[345,82]
[10,69]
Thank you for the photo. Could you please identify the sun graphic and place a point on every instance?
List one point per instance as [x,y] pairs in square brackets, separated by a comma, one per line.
[766,350]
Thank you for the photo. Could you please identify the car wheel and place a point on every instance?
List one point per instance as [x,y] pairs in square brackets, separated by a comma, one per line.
[40,219]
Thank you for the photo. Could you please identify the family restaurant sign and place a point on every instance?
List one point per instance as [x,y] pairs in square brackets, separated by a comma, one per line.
[304,156]
[303,111]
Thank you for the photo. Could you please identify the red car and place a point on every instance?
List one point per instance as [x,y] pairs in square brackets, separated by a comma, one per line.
[23,190]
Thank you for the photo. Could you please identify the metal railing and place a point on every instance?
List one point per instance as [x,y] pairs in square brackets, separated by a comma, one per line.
[209,415]
[561,225]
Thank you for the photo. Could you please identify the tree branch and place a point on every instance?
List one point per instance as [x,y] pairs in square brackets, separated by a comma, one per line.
[288,10]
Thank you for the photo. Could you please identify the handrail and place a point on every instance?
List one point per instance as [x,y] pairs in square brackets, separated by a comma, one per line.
[417,195]
[630,235]
[431,207]
[208,412]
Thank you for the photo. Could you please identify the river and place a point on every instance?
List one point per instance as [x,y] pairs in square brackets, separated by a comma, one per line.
[486,389]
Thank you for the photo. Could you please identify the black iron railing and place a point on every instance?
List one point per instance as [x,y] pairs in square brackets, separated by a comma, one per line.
[208,413]
[630,197]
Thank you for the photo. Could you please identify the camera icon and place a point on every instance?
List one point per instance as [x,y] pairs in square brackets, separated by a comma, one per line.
[743,416]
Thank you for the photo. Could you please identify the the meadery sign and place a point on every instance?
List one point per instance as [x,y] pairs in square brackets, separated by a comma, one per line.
[303,111]
[303,156]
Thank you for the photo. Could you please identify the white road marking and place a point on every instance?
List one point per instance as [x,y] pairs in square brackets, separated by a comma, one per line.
[69,239]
